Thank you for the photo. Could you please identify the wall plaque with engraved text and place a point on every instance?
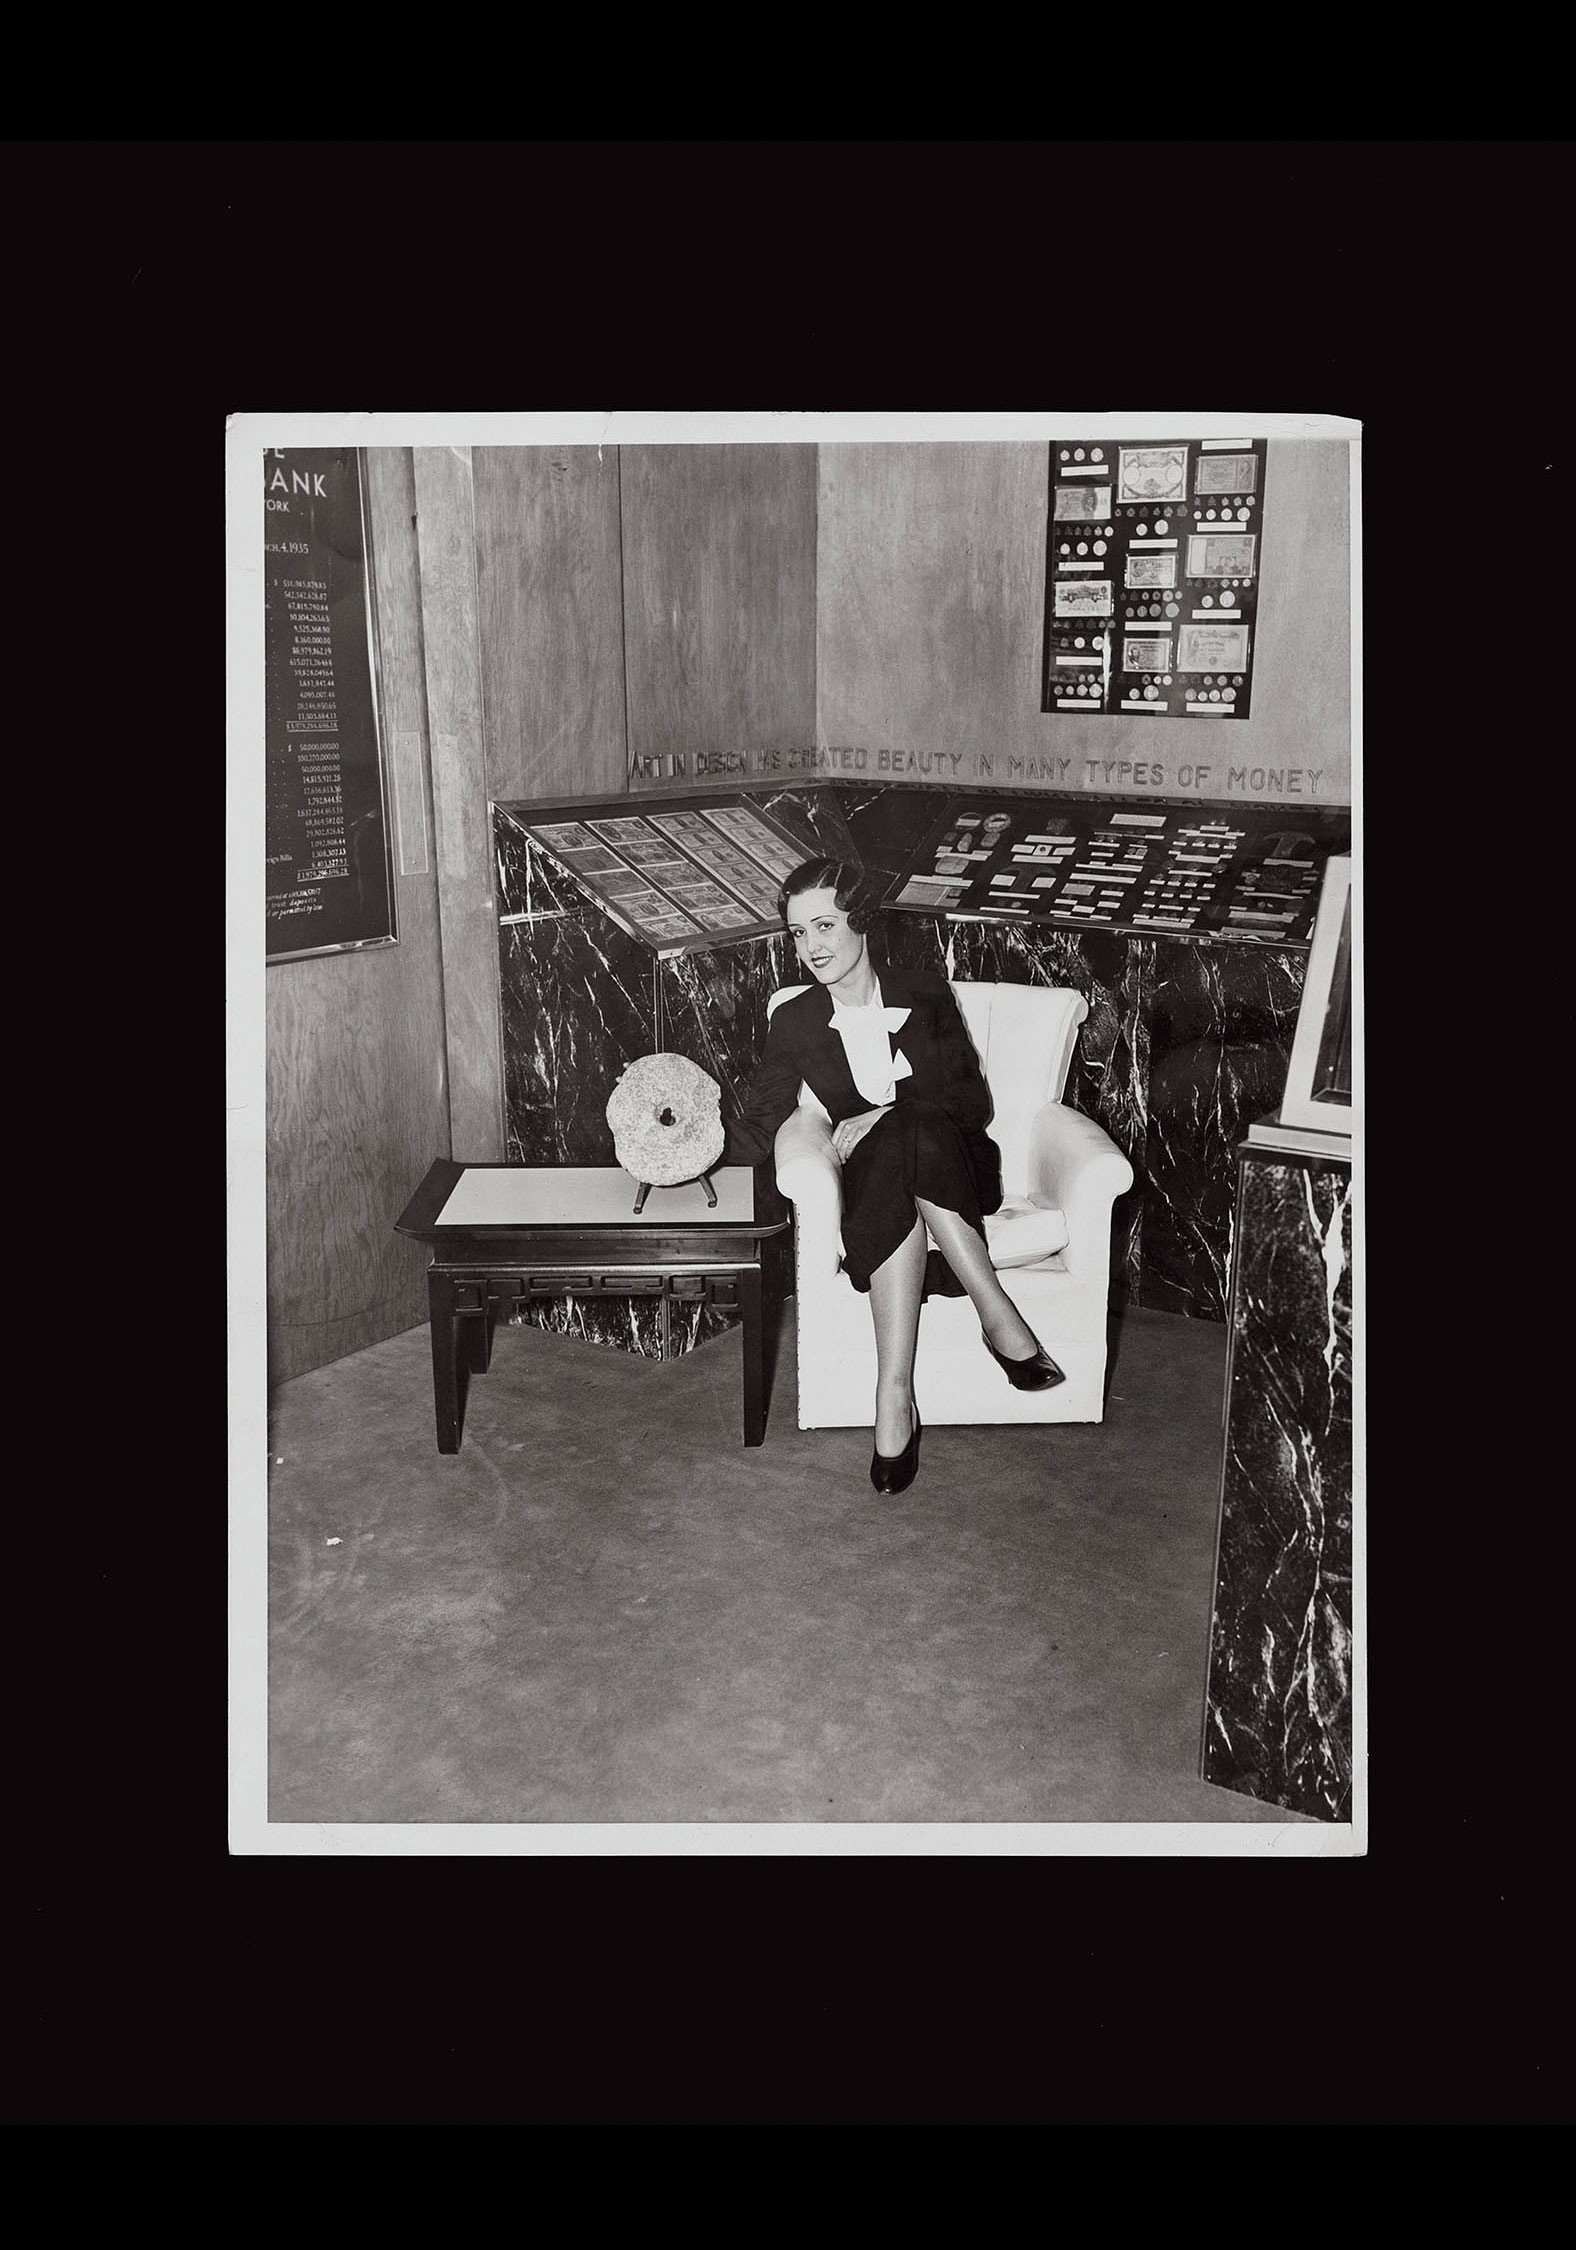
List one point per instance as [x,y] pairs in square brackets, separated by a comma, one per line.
[329,876]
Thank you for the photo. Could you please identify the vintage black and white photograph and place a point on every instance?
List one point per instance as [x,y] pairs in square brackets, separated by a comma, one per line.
[775,1326]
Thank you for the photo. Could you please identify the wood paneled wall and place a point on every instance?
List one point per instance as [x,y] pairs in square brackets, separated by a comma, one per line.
[719,602]
[930,606]
[357,1101]
[467,916]
[550,609]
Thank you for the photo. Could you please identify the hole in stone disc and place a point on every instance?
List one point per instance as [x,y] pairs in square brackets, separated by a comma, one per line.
[665,1117]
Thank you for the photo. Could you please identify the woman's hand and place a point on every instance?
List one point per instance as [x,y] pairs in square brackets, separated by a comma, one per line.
[847,1136]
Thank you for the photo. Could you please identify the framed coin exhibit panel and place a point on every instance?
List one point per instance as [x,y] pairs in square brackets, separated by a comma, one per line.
[1152,576]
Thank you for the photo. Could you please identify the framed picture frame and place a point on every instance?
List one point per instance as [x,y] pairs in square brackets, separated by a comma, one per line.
[1318,1095]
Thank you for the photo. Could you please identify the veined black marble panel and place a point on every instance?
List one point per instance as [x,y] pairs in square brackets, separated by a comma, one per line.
[813,815]
[1107,1080]
[625,1324]
[713,1007]
[578,1000]
[909,941]
[1222,1019]
[641,1325]
[887,824]
[1278,1717]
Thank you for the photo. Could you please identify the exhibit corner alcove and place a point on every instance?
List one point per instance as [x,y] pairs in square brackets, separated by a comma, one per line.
[854,629]
[1186,1041]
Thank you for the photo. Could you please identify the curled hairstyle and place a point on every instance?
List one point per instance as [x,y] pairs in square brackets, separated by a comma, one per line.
[851,889]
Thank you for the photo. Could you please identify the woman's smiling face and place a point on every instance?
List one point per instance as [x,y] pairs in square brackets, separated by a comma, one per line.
[822,938]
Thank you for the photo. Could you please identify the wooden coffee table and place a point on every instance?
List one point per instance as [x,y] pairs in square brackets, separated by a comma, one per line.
[503,1234]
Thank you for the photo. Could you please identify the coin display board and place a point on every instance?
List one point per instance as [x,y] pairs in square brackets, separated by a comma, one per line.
[1152,576]
[1206,870]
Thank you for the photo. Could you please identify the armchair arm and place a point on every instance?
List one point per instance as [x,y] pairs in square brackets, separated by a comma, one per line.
[809,1174]
[1076,1166]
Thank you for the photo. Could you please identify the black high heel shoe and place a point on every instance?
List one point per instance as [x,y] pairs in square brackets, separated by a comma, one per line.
[894,1472]
[1037,1373]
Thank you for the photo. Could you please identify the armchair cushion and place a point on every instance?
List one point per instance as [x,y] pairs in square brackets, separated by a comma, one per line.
[1023,1232]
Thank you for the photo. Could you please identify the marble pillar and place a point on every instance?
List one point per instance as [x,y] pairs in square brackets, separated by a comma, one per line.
[1278,1711]
[1219,1026]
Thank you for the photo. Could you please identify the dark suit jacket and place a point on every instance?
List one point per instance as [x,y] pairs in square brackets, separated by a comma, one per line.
[801,1045]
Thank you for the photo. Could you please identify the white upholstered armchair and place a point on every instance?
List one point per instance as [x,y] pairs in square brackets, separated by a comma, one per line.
[1050,1242]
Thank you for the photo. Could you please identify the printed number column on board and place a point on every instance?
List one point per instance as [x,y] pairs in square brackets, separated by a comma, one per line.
[328,869]
[1152,585]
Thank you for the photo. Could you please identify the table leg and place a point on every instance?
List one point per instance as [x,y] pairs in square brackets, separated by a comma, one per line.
[478,1328]
[450,1367]
[754,1370]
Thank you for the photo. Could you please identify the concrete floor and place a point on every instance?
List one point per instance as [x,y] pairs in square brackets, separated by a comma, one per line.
[606,1609]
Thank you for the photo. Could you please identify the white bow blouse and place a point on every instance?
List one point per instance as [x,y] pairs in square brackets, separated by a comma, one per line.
[866,1033]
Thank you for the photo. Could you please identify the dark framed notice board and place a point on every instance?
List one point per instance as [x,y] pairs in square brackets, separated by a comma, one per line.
[329,868]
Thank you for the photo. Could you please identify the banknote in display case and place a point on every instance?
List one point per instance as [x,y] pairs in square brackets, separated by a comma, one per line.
[1226,472]
[1084,597]
[1152,473]
[1082,503]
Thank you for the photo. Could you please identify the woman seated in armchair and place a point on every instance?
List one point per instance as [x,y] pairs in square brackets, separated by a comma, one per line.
[891,1062]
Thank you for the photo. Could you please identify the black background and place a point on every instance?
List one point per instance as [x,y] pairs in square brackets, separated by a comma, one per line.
[158,1981]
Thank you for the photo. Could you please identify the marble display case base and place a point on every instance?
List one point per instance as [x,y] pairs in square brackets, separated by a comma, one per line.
[1278,1708]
